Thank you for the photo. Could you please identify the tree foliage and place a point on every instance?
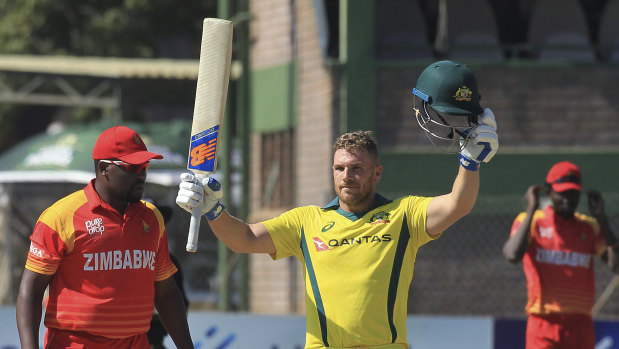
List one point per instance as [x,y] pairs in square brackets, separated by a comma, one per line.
[104,28]
[116,28]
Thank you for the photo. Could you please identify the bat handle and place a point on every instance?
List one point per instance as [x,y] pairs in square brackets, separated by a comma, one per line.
[194,226]
[194,230]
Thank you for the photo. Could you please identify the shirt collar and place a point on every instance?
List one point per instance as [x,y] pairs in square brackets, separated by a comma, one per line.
[335,203]
[94,200]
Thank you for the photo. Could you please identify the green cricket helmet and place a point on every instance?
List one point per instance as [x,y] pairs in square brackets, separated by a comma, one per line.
[449,102]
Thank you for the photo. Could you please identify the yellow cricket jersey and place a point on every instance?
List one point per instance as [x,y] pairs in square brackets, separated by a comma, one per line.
[358,269]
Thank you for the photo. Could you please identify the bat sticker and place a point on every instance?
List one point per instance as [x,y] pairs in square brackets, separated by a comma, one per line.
[203,149]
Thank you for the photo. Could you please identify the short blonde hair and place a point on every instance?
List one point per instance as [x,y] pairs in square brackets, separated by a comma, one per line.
[357,140]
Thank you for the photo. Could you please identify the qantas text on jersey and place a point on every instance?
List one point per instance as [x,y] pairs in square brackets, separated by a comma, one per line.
[117,259]
[359,240]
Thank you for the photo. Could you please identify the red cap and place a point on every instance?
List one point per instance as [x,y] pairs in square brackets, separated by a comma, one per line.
[564,176]
[122,143]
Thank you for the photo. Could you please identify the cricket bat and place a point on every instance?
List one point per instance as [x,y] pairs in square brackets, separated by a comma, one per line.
[209,108]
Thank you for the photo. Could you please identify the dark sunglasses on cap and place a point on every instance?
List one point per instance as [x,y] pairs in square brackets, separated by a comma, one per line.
[128,167]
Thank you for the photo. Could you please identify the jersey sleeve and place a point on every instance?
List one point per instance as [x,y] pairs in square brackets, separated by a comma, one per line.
[417,212]
[47,245]
[164,267]
[285,230]
[518,222]
[537,217]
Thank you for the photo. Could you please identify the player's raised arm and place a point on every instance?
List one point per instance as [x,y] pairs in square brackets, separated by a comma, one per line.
[445,210]
[518,242]
[452,117]
[596,207]
[233,232]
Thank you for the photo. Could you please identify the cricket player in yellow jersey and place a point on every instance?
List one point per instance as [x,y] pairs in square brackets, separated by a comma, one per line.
[358,251]
[104,255]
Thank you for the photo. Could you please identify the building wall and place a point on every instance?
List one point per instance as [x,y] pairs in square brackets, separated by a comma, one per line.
[313,136]
[314,131]
[270,33]
[270,36]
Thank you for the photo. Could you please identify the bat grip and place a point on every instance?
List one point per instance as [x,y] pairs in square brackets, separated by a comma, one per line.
[194,226]
[194,230]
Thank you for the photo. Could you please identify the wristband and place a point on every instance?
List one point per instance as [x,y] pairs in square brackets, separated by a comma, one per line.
[215,212]
[467,163]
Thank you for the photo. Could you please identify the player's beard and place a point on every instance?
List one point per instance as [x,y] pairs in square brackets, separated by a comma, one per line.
[133,198]
[135,194]
[565,209]
[565,206]
[358,198]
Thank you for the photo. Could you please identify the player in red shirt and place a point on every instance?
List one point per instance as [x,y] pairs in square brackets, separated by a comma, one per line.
[104,255]
[556,246]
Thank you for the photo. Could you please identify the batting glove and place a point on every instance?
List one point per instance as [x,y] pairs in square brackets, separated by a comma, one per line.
[482,143]
[204,192]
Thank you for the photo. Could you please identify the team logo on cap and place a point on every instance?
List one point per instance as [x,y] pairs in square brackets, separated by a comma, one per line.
[137,139]
[463,94]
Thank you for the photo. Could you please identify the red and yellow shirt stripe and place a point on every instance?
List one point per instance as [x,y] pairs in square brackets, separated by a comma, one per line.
[558,263]
[105,265]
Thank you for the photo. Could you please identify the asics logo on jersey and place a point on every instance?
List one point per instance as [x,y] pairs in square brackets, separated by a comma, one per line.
[360,240]
[320,245]
[328,226]
[95,226]
[117,259]
[380,217]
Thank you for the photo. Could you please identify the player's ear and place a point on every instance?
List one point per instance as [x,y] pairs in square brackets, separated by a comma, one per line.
[378,171]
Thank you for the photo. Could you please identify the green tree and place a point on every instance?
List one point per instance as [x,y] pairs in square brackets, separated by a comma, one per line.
[108,28]
[115,28]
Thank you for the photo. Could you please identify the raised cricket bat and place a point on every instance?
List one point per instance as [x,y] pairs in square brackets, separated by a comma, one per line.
[209,108]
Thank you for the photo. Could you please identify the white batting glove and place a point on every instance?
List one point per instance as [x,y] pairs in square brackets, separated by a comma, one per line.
[482,144]
[203,192]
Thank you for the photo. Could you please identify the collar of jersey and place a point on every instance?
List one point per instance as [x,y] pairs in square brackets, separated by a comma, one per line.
[335,205]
